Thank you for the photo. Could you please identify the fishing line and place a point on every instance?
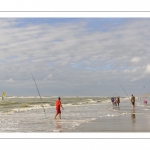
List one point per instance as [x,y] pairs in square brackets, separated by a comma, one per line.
[123,89]
[38,92]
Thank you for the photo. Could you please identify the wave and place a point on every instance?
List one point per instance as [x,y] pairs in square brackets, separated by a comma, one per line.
[17,104]
[23,108]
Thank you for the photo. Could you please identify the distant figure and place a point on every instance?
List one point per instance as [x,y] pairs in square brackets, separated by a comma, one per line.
[112,100]
[145,102]
[133,101]
[58,105]
[3,95]
[118,100]
[115,101]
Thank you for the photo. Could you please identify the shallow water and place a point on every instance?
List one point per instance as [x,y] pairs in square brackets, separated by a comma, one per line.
[27,115]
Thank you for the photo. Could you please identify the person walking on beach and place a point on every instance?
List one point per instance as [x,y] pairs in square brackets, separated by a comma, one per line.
[133,101]
[58,105]
[118,100]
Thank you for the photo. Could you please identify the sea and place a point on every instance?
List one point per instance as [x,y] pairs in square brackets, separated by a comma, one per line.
[35,114]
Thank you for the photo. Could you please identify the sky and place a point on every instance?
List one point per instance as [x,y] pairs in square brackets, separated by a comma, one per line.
[75,56]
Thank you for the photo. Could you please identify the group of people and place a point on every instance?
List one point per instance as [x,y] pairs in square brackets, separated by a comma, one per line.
[115,101]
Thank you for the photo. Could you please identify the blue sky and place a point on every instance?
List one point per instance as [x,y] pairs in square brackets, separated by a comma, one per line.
[74,56]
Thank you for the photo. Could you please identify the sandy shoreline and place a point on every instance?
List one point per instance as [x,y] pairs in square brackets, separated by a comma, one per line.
[138,121]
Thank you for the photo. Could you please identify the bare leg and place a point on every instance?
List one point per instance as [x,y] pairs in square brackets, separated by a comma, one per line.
[59,115]
[133,106]
[55,116]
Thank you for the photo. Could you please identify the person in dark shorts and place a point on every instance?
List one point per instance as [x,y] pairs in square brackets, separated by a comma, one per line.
[112,100]
[58,105]
[133,101]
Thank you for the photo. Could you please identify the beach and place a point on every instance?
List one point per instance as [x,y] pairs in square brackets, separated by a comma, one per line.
[132,120]
[128,123]
[26,114]
[80,114]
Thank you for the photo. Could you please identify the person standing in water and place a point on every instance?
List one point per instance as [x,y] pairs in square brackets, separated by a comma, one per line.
[115,101]
[133,101]
[112,100]
[145,102]
[118,100]
[58,105]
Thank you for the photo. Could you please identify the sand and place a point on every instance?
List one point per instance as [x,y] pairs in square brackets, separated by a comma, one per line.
[127,123]
[135,120]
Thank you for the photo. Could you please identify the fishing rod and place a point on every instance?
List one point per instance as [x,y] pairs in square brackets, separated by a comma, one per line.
[38,92]
[123,89]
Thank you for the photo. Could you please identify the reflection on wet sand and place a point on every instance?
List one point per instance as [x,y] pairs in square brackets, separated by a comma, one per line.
[133,117]
[58,125]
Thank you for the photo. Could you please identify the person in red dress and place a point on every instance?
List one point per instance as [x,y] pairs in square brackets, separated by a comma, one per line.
[58,110]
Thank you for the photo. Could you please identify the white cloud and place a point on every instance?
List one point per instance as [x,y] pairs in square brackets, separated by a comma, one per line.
[74,53]
[48,77]
[135,59]
[10,80]
[147,69]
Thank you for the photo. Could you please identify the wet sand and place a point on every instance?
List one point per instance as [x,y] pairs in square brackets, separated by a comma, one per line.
[127,123]
[135,120]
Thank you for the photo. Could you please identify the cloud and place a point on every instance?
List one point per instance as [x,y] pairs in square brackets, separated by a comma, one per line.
[10,80]
[74,53]
[48,77]
[147,69]
[135,59]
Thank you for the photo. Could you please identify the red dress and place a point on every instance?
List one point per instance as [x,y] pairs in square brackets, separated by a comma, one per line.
[58,104]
